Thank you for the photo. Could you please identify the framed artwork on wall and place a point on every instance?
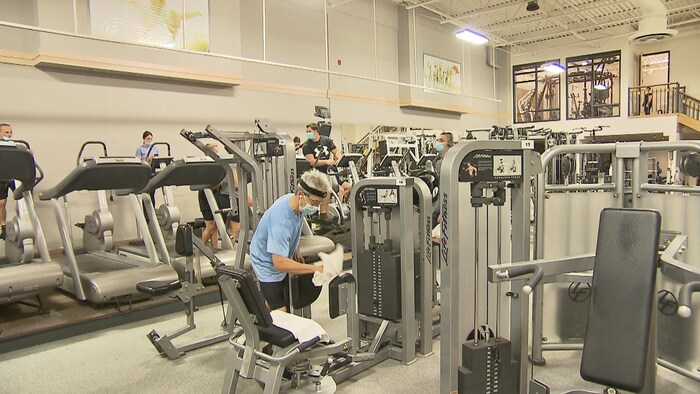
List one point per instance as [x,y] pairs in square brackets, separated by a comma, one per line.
[442,74]
[181,24]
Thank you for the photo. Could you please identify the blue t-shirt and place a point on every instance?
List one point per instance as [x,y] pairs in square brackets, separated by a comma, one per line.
[142,150]
[278,232]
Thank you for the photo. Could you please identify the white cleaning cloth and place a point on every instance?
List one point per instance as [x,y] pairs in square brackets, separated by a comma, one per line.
[332,266]
[303,329]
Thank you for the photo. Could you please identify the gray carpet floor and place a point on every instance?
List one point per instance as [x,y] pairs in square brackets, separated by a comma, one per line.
[122,360]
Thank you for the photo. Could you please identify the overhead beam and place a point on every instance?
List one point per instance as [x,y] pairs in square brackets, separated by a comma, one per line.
[481,11]
[416,5]
[509,25]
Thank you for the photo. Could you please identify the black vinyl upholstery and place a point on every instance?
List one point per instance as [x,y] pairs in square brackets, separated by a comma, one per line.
[622,298]
[255,305]
[199,175]
[304,292]
[94,175]
[16,162]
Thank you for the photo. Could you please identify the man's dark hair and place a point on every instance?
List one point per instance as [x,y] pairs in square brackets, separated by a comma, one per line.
[312,126]
[4,124]
[450,138]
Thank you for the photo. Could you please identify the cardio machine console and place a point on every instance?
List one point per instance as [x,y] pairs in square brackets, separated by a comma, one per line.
[377,196]
[491,165]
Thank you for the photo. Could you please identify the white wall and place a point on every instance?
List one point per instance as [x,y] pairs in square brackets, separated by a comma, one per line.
[56,110]
[684,57]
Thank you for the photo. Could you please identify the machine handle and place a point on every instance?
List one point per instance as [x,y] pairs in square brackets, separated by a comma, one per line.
[685,298]
[82,148]
[148,154]
[536,271]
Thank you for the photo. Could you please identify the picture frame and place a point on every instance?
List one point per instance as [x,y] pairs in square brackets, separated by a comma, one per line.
[442,74]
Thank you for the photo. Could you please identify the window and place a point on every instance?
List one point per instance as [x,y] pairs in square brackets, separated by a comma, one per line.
[592,86]
[535,93]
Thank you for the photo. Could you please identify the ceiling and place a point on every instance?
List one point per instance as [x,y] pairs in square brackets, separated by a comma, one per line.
[556,23]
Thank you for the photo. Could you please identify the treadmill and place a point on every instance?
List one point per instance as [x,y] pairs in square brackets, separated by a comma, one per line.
[96,273]
[199,173]
[22,273]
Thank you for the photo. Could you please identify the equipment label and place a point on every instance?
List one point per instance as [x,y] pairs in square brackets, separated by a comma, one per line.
[491,166]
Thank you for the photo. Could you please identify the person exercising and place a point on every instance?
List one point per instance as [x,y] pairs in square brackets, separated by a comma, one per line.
[142,151]
[274,249]
[6,185]
[322,153]
[443,143]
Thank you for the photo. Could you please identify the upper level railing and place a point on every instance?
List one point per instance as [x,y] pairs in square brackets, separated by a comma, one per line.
[662,99]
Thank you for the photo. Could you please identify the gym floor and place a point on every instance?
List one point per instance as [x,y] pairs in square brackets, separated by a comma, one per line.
[121,359]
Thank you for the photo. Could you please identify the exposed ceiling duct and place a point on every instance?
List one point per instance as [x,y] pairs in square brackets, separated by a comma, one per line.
[652,25]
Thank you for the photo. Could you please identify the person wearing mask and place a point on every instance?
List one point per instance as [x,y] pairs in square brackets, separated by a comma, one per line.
[142,151]
[443,143]
[274,247]
[322,153]
[6,185]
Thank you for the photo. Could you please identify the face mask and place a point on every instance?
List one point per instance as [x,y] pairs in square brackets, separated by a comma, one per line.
[439,146]
[6,138]
[308,209]
[147,143]
[310,136]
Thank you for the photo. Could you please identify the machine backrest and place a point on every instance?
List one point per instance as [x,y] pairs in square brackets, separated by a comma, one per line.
[102,174]
[16,162]
[303,165]
[623,295]
[251,295]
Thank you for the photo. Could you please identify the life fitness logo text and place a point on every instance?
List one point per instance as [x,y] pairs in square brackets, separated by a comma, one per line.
[292,178]
[443,241]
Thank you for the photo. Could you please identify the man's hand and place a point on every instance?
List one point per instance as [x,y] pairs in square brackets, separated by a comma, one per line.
[298,257]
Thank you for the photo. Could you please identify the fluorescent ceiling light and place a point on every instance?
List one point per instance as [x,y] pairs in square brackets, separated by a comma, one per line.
[600,86]
[554,68]
[472,36]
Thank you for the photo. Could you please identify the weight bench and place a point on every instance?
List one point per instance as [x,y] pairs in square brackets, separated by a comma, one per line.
[249,358]
[619,344]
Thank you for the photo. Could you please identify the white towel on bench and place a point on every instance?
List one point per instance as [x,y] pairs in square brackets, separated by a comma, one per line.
[303,329]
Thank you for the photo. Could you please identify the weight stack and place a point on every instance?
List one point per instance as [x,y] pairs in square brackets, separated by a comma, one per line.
[487,368]
[379,284]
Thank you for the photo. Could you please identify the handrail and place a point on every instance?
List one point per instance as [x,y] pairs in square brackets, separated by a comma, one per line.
[665,98]
[689,105]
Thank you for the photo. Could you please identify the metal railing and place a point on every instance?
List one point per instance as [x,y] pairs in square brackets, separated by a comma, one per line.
[668,98]
[689,105]
[654,99]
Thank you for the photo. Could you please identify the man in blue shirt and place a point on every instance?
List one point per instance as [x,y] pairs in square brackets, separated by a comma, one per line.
[274,248]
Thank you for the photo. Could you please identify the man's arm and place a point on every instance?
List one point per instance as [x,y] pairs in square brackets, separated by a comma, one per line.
[336,155]
[317,163]
[290,266]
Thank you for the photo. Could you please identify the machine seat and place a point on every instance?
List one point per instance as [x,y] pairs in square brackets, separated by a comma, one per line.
[158,287]
[312,245]
[256,307]
[276,336]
